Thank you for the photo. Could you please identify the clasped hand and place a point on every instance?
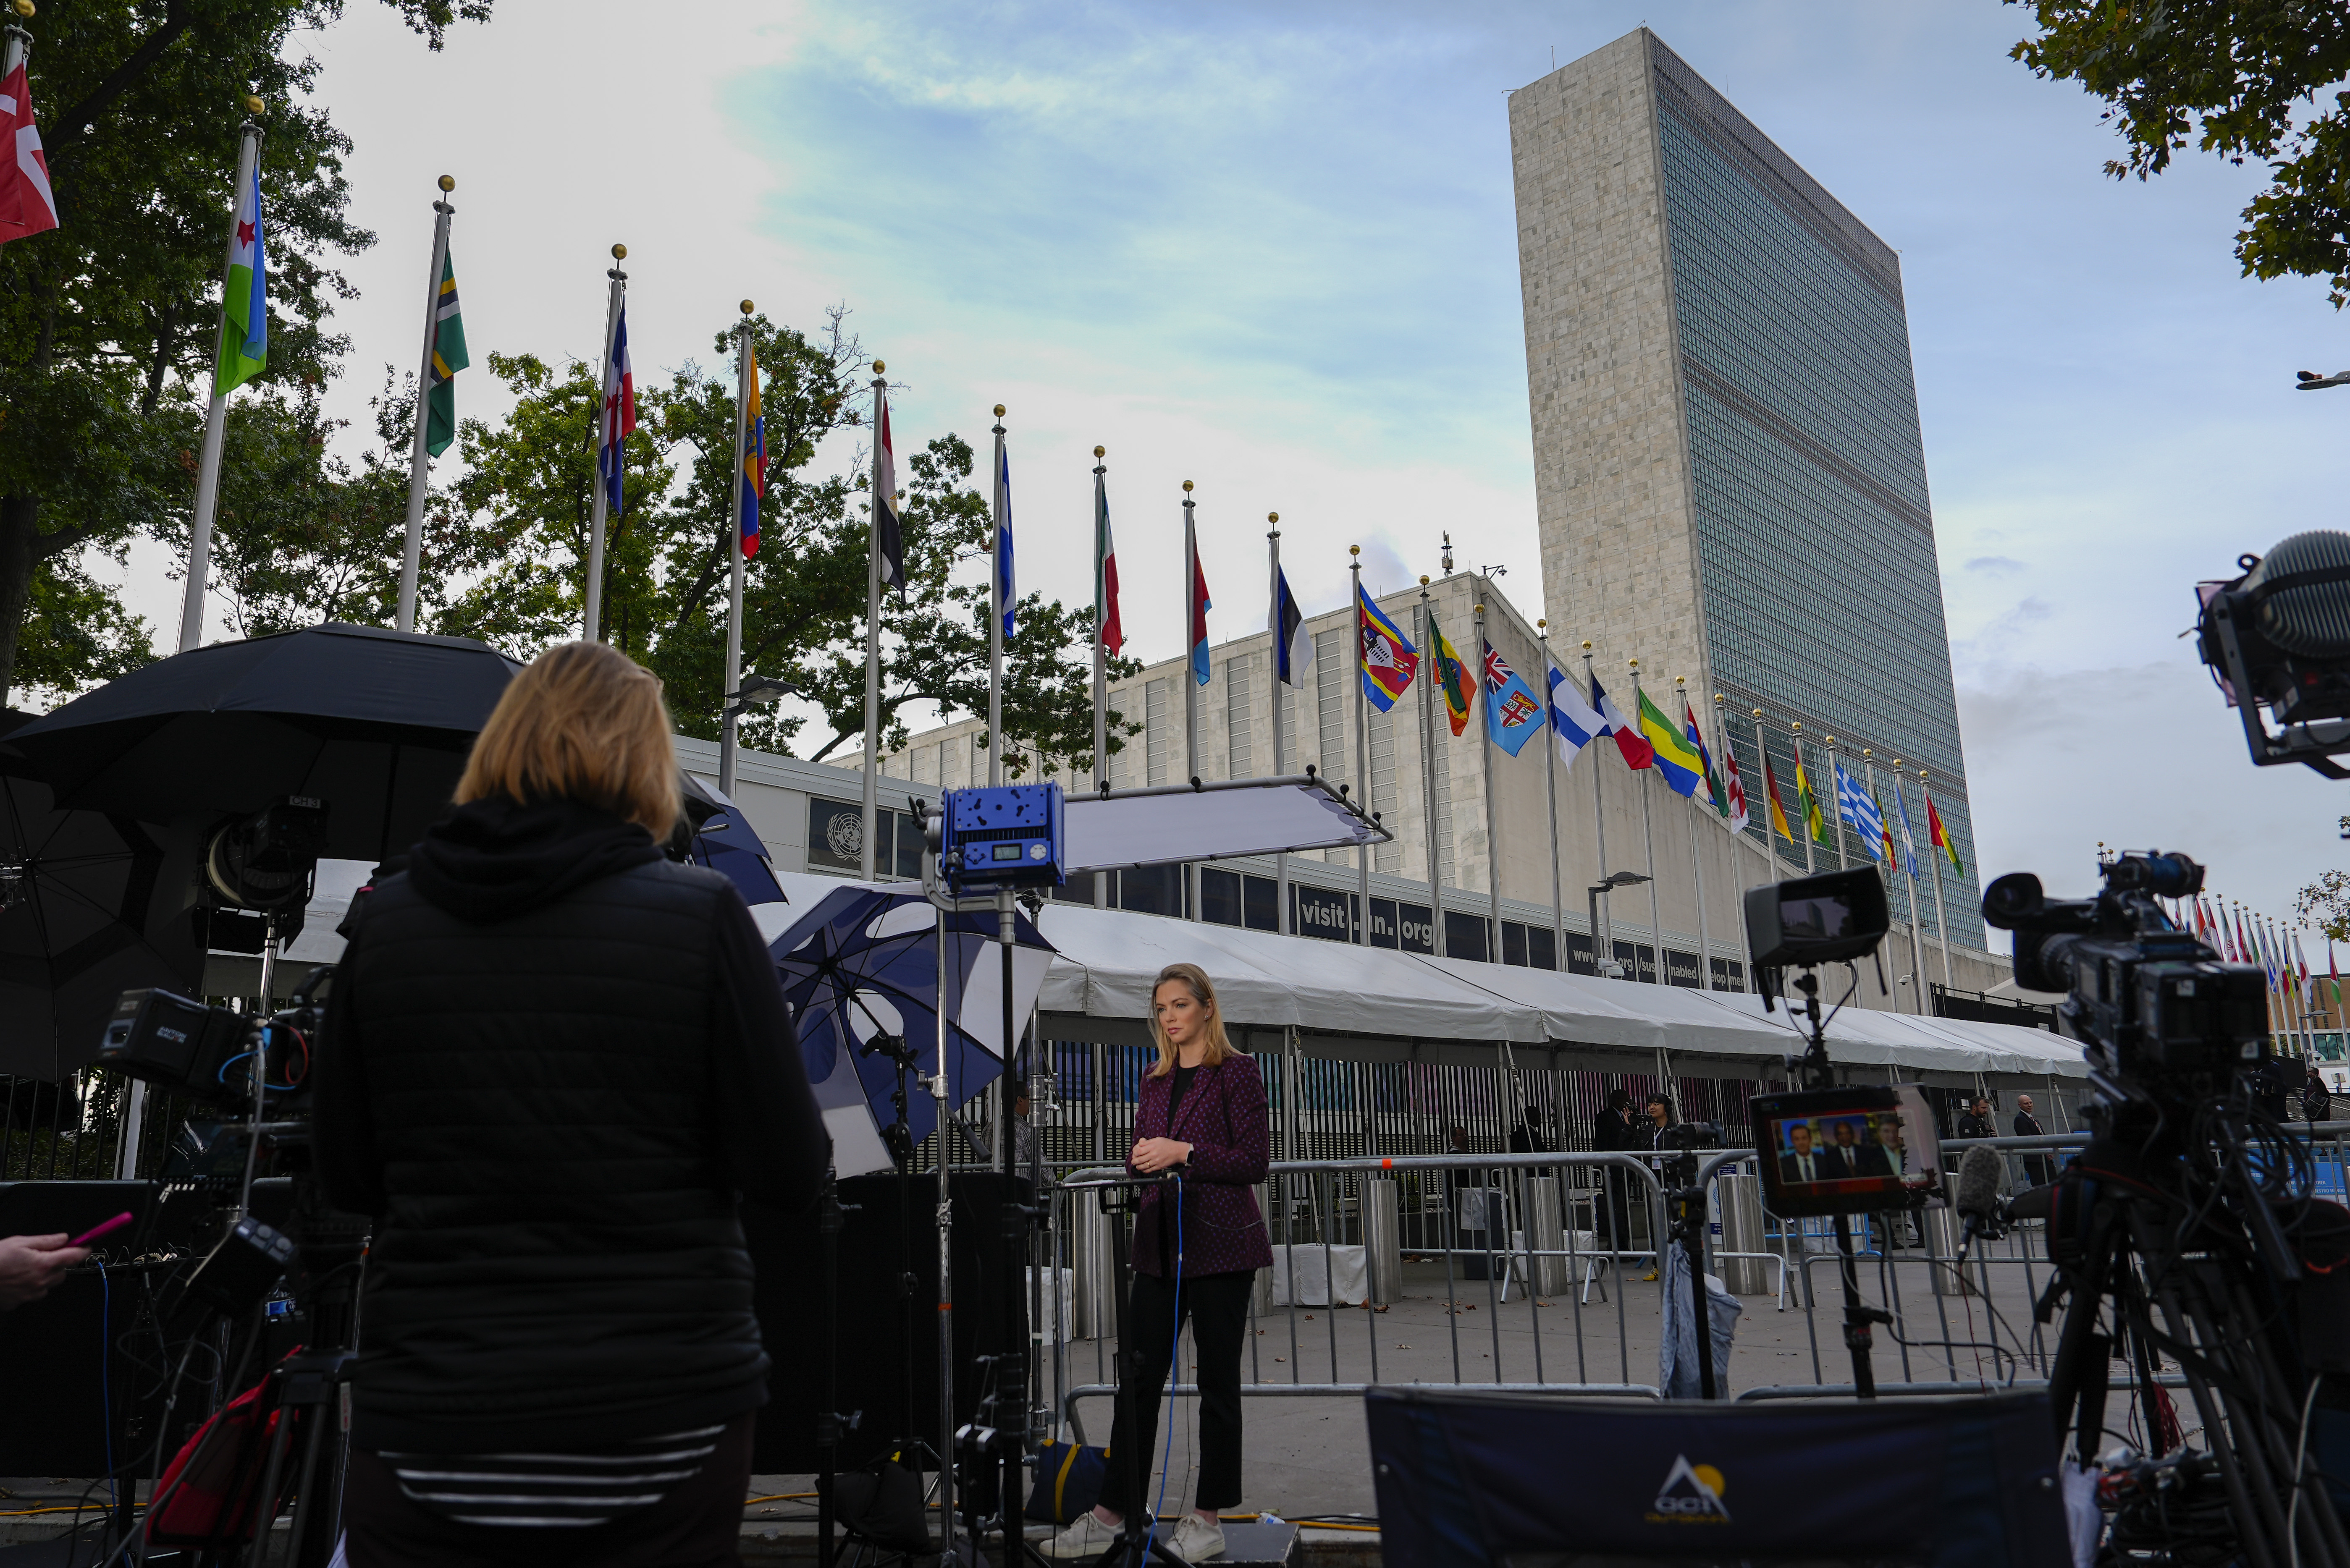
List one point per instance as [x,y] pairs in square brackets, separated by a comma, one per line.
[1156,1154]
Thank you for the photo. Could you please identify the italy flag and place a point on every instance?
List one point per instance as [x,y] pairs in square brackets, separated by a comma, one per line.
[244,324]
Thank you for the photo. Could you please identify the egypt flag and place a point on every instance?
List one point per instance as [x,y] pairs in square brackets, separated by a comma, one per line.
[27,205]
[755,449]
[244,326]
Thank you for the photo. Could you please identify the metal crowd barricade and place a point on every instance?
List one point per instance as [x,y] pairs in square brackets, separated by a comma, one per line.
[1497,1235]
[1480,1226]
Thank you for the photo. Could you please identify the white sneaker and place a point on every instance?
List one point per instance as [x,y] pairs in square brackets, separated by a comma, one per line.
[1195,1540]
[1088,1537]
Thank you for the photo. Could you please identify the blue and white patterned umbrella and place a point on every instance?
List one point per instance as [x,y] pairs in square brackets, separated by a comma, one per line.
[863,964]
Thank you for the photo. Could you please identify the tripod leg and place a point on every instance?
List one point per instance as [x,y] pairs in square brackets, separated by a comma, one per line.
[1855,1325]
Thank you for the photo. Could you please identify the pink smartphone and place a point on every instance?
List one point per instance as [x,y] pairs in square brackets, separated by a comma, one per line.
[94,1231]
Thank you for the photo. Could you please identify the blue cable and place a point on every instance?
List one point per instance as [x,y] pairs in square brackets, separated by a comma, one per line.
[105,1392]
[1174,1356]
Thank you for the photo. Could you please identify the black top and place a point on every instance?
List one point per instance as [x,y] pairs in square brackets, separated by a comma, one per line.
[551,1060]
[1178,1083]
[1973,1125]
[2026,1125]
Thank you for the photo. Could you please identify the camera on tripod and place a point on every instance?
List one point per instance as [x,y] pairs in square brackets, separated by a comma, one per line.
[2149,1001]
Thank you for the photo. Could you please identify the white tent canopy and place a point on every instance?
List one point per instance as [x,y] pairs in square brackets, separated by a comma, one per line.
[1383,1005]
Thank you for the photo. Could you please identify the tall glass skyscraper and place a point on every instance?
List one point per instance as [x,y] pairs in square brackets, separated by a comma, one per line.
[1728,468]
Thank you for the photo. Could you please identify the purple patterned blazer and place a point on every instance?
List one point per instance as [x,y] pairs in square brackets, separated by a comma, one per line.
[1224,1119]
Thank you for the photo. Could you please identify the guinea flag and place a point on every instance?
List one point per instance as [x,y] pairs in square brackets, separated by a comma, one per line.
[244,324]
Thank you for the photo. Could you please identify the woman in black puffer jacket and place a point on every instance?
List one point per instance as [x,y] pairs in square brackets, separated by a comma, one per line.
[552,1059]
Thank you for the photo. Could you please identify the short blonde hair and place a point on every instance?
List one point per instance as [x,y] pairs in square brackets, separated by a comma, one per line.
[583,722]
[1203,990]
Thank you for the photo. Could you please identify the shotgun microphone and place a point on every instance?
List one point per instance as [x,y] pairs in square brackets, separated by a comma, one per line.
[1977,1195]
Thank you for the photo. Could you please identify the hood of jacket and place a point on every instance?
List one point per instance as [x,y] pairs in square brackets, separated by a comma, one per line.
[493,859]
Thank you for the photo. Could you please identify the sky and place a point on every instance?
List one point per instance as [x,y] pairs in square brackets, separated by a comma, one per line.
[1272,249]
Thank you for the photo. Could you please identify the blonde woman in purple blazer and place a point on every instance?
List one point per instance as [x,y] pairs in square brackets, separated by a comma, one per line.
[1201,1113]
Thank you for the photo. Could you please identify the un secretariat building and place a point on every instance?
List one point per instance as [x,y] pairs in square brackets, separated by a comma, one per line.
[1730,474]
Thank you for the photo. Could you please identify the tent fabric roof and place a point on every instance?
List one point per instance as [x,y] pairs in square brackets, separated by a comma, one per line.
[1381,1004]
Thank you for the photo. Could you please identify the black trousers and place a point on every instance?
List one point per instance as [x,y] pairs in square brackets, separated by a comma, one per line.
[1217,1306]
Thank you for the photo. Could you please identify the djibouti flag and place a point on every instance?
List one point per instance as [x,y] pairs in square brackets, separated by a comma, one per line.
[244,309]
[448,359]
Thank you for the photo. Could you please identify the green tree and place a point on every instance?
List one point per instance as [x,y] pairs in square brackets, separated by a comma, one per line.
[2326,900]
[108,322]
[2244,78]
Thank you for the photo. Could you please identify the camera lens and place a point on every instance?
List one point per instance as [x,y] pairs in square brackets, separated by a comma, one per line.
[2012,897]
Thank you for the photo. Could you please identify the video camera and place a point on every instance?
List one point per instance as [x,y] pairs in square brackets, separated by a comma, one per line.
[181,1045]
[2278,637]
[2151,1004]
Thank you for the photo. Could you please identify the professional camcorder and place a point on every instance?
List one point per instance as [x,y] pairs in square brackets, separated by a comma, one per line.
[2152,1004]
[2278,637]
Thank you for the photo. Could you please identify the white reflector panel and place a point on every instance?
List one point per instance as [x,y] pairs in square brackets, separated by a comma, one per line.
[1246,816]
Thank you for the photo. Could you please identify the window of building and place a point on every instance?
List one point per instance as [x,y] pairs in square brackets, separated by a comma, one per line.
[1466,936]
[1152,890]
[836,838]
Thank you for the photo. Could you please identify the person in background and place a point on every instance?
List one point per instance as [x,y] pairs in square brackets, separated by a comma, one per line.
[2035,1165]
[554,1060]
[1976,1120]
[1659,1106]
[31,1266]
[2316,1099]
[1611,1133]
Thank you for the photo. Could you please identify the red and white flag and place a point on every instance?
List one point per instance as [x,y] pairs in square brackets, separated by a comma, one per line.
[27,205]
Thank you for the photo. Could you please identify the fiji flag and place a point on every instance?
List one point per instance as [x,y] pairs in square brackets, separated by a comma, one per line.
[754,455]
[620,416]
[1513,714]
[1389,659]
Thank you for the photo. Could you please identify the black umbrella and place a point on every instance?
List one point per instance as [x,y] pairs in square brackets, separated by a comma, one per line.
[91,905]
[376,724]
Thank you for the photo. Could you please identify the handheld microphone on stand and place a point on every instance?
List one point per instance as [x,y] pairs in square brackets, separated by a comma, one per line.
[1977,1194]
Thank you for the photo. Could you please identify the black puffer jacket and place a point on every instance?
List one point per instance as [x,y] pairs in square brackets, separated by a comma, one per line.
[552,1058]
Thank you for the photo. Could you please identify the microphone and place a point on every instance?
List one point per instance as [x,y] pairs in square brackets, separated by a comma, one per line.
[1977,1196]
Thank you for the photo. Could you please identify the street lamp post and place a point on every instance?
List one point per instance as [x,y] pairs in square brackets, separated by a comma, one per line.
[1606,964]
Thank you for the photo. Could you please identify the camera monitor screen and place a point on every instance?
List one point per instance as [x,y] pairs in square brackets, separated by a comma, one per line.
[1846,1151]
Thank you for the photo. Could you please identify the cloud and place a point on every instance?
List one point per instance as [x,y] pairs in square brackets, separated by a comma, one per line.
[1996,565]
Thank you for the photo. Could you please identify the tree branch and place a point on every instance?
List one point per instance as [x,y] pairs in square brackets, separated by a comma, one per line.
[69,126]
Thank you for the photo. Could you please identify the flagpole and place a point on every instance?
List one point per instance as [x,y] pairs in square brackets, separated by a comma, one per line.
[1942,919]
[995,618]
[1190,683]
[420,461]
[1697,868]
[1101,660]
[1649,840]
[732,709]
[1549,798]
[1868,769]
[1486,762]
[1836,782]
[592,619]
[1908,864]
[200,537]
[1363,758]
[872,800]
[1427,758]
[1769,860]
[14,47]
[1280,698]
[1795,745]
[1602,955]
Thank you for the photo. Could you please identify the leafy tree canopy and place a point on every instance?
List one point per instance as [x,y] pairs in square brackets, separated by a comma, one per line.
[2243,79]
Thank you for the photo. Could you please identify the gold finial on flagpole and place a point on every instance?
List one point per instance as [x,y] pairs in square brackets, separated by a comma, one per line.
[879,369]
[23,7]
[1101,451]
[252,105]
[747,307]
[1351,549]
[1187,487]
[447,183]
[998,410]
[1758,712]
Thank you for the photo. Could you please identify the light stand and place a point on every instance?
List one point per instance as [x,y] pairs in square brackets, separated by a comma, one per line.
[756,691]
[1121,1200]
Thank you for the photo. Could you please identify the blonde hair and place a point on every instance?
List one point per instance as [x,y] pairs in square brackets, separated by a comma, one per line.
[1203,992]
[583,722]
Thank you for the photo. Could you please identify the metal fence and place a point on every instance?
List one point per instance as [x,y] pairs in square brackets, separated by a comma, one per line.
[1510,1271]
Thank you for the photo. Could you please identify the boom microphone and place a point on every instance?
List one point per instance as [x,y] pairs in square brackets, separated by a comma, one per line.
[1977,1196]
